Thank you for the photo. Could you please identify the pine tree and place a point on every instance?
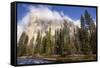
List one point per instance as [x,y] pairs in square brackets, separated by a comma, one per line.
[93,42]
[22,45]
[91,30]
[66,39]
[82,22]
[85,33]
[30,47]
[38,43]
[58,41]
[43,48]
[48,45]
[88,18]
[77,41]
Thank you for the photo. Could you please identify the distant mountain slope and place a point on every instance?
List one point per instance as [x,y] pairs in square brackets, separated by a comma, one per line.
[37,20]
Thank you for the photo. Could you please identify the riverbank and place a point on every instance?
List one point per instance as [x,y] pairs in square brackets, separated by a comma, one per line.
[54,59]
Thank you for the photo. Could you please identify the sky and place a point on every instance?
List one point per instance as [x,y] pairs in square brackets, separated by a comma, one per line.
[72,12]
[49,12]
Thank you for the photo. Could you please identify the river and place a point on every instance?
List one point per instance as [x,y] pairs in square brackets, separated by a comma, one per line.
[23,61]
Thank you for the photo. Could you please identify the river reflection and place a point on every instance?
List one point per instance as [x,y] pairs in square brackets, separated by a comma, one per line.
[22,61]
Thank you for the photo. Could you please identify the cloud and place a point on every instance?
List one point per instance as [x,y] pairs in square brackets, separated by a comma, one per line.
[21,26]
[77,23]
[19,32]
[66,17]
[41,12]
[95,23]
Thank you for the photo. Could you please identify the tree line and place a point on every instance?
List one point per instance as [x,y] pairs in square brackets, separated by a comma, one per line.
[62,44]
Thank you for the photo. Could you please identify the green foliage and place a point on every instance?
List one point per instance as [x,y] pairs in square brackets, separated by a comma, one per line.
[62,43]
[48,44]
[43,48]
[30,48]
[66,39]
[38,43]
[87,32]
[22,45]
[82,21]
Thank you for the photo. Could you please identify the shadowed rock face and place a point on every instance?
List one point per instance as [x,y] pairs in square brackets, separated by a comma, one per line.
[40,19]
[62,30]
[35,25]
